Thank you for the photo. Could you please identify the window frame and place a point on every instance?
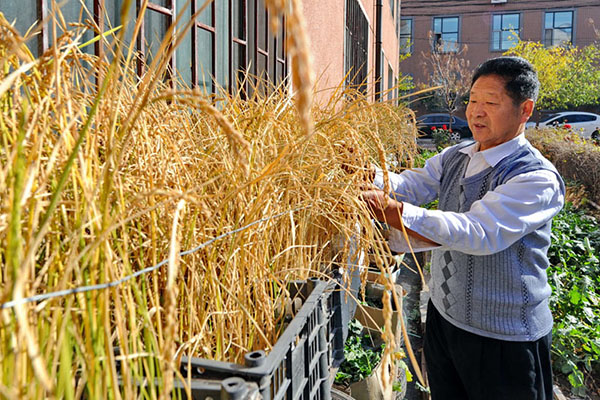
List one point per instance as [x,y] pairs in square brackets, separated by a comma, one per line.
[240,42]
[409,48]
[458,29]
[492,30]
[573,25]
[357,36]
[212,30]
[170,13]
[389,81]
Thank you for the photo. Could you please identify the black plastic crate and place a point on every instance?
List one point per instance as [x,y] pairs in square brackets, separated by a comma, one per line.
[298,365]
[232,388]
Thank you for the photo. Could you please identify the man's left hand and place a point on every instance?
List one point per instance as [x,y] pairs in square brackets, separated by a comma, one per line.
[388,210]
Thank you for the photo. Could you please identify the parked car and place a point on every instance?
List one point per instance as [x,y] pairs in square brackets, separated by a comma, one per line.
[584,123]
[426,123]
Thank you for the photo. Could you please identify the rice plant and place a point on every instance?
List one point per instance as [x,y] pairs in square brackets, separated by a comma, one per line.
[104,173]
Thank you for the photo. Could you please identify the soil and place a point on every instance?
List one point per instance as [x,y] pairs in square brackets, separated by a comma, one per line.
[592,384]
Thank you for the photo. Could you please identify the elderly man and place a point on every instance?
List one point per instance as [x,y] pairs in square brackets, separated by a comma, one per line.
[489,326]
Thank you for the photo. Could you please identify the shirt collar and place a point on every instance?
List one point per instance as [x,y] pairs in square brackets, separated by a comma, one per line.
[494,155]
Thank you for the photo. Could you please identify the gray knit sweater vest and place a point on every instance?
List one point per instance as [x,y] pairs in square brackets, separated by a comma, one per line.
[502,295]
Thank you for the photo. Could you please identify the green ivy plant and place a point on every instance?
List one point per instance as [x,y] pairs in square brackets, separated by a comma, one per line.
[361,355]
[574,276]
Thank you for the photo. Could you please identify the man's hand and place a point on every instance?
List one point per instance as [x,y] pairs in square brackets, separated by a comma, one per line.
[383,208]
[388,210]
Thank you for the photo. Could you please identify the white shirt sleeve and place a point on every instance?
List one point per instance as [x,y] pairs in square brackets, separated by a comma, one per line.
[499,219]
[416,186]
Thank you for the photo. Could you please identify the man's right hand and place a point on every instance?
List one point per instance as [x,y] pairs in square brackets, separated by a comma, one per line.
[383,208]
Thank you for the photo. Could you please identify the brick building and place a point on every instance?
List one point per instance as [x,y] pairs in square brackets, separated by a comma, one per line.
[360,37]
[487,26]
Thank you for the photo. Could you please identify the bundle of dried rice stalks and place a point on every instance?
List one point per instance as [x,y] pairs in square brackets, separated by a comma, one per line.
[98,182]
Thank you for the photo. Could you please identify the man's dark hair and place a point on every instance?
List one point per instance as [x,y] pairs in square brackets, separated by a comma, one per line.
[521,80]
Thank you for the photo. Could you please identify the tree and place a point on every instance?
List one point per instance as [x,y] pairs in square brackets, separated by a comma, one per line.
[569,76]
[448,70]
[405,82]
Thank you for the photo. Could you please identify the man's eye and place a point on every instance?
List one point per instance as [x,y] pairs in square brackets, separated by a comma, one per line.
[491,103]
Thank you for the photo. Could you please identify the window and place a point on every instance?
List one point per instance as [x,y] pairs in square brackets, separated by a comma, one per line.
[226,38]
[238,45]
[357,46]
[233,37]
[505,28]
[204,48]
[547,117]
[156,21]
[27,13]
[573,118]
[587,118]
[558,28]
[437,119]
[445,34]
[406,35]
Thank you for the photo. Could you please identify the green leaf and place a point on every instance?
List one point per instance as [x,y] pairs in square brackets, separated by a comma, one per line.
[574,296]
[576,378]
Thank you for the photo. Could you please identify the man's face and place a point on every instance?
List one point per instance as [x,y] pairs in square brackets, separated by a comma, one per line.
[491,113]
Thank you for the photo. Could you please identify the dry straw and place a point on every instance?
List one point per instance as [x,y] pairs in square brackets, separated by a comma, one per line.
[95,178]
[298,48]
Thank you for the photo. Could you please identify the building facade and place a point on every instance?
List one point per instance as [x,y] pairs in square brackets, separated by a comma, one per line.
[488,27]
[355,42]
[227,36]
[352,41]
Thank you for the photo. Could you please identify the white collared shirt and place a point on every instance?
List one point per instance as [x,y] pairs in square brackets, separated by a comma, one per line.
[499,219]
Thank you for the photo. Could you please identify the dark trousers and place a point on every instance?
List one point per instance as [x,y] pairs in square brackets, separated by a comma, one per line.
[462,365]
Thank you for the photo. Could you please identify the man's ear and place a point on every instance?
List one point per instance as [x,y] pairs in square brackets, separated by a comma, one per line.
[527,109]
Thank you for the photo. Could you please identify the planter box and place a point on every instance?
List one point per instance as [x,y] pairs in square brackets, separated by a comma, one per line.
[372,317]
[298,366]
[371,388]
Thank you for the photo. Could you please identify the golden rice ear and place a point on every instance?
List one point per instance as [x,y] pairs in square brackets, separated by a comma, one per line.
[298,48]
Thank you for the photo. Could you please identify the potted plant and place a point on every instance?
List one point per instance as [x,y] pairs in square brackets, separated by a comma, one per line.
[360,375]
[370,312]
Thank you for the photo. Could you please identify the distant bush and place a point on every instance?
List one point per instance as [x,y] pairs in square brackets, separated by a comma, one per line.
[575,158]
